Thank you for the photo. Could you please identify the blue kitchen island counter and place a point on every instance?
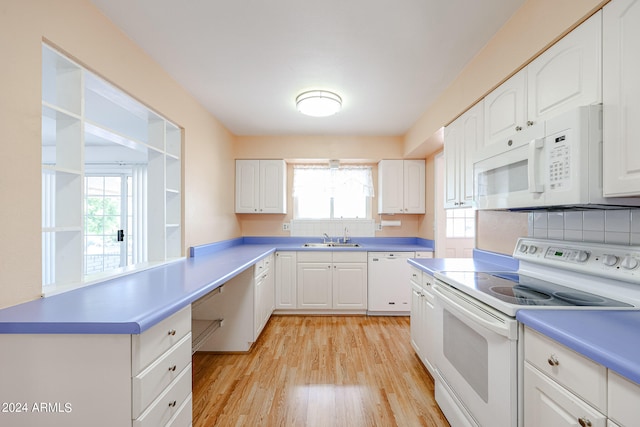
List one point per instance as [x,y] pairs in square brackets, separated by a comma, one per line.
[133,303]
[608,337]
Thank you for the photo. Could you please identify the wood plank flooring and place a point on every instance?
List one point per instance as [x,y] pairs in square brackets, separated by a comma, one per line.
[318,371]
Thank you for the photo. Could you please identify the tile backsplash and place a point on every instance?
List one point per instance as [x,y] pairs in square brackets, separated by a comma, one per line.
[616,226]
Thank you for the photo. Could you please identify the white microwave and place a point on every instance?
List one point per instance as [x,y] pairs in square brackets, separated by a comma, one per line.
[556,163]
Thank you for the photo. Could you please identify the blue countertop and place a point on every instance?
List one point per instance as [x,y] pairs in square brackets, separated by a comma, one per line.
[481,261]
[133,303]
[610,338]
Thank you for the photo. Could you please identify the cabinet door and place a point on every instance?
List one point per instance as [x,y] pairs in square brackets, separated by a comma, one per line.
[273,186]
[451,168]
[429,320]
[416,325]
[390,186]
[568,74]
[621,96]
[314,285]
[546,403]
[414,186]
[472,127]
[247,186]
[505,109]
[285,280]
[350,286]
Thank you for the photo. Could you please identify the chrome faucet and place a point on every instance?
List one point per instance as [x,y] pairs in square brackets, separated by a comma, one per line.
[325,238]
[345,239]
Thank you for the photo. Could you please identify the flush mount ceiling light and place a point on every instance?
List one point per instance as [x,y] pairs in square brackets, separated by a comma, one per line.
[318,103]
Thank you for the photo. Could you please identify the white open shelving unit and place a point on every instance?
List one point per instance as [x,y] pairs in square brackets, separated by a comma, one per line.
[87,120]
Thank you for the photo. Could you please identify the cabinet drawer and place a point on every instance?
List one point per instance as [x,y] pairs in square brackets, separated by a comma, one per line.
[183,417]
[416,276]
[152,381]
[577,373]
[349,257]
[149,345]
[624,400]
[168,404]
[314,256]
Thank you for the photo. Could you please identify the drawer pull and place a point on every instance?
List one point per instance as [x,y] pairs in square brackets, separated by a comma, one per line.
[173,405]
[172,368]
[172,332]
[553,361]
[584,422]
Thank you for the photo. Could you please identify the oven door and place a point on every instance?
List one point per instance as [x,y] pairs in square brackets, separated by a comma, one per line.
[476,360]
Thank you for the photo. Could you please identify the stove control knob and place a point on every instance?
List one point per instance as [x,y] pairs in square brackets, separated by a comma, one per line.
[581,256]
[533,249]
[629,262]
[523,248]
[609,260]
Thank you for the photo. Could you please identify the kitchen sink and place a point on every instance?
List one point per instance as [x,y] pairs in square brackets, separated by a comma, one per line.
[331,245]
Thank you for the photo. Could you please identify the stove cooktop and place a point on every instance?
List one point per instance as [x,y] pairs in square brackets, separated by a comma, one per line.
[509,291]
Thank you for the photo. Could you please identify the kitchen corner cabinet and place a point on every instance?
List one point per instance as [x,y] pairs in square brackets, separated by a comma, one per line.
[621,98]
[566,75]
[335,281]
[401,187]
[112,379]
[261,186]
[462,138]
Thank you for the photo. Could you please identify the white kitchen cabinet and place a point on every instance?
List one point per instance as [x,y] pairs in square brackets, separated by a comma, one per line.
[546,403]
[423,318]
[462,139]
[285,280]
[144,379]
[621,98]
[565,76]
[264,293]
[261,186]
[335,281]
[349,281]
[623,399]
[401,186]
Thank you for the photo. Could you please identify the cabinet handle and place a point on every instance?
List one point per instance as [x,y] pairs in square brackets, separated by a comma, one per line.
[510,142]
[172,368]
[172,404]
[530,123]
[584,422]
[518,128]
[172,332]
[553,361]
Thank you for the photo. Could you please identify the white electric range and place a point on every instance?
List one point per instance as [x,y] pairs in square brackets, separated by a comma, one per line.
[478,335]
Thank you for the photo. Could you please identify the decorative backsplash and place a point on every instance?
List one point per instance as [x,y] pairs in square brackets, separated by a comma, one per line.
[616,226]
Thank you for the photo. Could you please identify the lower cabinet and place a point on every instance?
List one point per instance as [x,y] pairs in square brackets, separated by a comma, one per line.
[335,281]
[423,318]
[564,388]
[285,278]
[99,380]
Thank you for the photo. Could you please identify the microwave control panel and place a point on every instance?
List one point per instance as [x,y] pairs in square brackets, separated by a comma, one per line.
[559,161]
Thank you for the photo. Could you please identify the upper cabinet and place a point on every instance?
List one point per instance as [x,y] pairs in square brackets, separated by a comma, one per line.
[621,93]
[401,186]
[462,138]
[261,186]
[566,75]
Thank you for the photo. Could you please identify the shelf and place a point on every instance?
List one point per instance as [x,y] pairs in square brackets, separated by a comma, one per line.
[201,330]
[61,81]
[173,140]
[61,139]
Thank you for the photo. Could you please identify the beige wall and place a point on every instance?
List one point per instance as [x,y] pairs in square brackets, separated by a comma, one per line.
[77,28]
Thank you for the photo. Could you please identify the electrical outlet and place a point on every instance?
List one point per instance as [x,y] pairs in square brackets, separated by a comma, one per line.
[285,226]
[378,227]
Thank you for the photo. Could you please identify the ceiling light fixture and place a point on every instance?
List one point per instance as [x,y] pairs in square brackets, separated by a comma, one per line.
[318,103]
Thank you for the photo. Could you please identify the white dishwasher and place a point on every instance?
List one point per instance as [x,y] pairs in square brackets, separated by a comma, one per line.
[389,287]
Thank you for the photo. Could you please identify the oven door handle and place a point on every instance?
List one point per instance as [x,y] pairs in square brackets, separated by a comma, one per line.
[477,312]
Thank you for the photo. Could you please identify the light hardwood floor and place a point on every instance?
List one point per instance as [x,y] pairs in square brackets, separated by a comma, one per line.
[318,371]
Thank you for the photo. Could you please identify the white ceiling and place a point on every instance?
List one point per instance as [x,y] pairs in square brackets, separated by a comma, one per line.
[247,60]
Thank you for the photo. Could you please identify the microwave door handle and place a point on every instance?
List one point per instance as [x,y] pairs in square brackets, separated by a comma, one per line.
[535,186]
